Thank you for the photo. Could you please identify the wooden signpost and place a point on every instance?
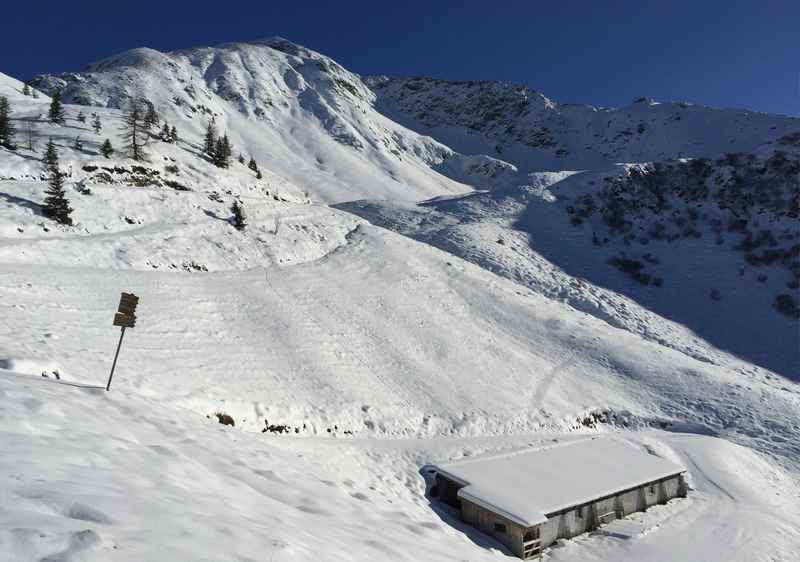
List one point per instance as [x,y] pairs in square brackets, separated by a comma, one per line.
[125,317]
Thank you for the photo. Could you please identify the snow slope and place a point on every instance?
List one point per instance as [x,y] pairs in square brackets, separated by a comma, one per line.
[535,133]
[151,482]
[699,272]
[299,113]
[378,352]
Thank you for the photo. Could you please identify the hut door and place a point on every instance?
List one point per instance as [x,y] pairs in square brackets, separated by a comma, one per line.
[531,544]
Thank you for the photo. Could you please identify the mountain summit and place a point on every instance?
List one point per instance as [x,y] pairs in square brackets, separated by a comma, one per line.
[346,137]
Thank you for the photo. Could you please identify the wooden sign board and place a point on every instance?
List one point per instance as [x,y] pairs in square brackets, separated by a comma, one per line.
[124,320]
[126,311]
[125,317]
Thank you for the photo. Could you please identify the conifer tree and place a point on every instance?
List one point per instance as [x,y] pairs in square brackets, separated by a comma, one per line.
[239,219]
[227,148]
[26,89]
[134,133]
[50,158]
[81,117]
[164,134]
[222,152]
[7,129]
[252,164]
[56,206]
[173,134]
[219,154]
[96,124]
[210,143]
[78,145]
[241,159]
[258,175]
[107,149]
[56,113]
[150,117]
[28,130]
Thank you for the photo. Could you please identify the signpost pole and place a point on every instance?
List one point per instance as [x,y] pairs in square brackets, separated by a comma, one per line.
[125,317]
[114,364]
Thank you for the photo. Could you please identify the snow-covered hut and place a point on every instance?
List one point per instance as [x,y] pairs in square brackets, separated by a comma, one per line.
[530,499]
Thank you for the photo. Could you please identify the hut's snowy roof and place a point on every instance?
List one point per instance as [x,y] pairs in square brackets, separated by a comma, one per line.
[526,487]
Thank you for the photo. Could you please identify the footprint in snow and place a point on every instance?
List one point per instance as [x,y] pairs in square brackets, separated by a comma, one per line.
[83,512]
[361,496]
[312,510]
[79,543]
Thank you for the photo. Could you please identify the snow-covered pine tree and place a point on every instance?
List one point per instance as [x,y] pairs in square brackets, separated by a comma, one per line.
[107,149]
[26,89]
[210,142]
[239,218]
[241,159]
[252,164]
[165,134]
[96,124]
[222,152]
[134,133]
[56,205]
[56,112]
[173,135]
[258,175]
[28,130]
[219,155]
[78,145]
[81,117]
[7,129]
[50,158]
[150,116]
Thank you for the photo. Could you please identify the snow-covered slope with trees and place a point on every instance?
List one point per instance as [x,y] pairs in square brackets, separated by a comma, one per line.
[535,133]
[364,353]
[713,246]
[299,113]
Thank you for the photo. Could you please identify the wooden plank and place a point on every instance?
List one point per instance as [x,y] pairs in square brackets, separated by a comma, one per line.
[128,310]
[127,304]
[124,320]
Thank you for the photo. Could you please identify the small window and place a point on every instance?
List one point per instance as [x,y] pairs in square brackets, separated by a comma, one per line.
[499,528]
[652,489]
[531,534]
[579,513]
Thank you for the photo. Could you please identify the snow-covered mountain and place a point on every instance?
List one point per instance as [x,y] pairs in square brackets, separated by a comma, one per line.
[535,133]
[485,317]
[713,245]
[322,126]
[299,113]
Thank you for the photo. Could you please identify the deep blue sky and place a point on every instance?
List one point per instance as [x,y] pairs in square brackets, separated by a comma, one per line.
[721,53]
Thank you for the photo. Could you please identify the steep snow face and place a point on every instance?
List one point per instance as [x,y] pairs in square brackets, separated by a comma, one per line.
[713,246]
[533,132]
[10,87]
[171,212]
[297,112]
